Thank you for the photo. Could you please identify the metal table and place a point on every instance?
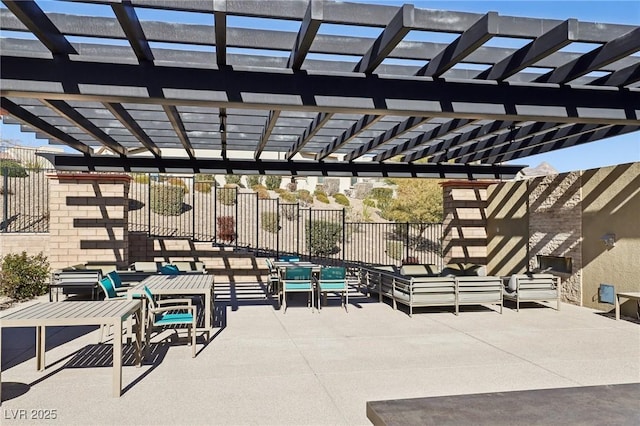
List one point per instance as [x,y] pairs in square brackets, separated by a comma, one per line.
[62,314]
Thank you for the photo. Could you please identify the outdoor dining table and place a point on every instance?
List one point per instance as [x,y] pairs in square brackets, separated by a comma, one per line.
[60,314]
[180,285]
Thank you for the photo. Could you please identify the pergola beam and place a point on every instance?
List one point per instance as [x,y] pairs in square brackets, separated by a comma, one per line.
[375,95]
[362,124]
[266,132]
[620,78]
[392,34]
[607,53]
[306,35]
[178,127]
[318,122]
[279,167]
[220,28]
[130,123]
[128,20]
[66,111]
[399,129]
[38,124]
[539,48]
[485,28]
[424,138]
[36,21]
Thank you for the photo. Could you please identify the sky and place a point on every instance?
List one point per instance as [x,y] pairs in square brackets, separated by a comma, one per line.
[611,151]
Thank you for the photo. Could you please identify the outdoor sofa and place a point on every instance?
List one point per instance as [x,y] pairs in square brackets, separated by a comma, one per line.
[426,287]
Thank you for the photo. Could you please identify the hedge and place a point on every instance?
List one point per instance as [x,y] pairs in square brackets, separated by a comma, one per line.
[167,200]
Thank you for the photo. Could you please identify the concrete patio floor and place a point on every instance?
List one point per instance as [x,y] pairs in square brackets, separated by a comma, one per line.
[266,367]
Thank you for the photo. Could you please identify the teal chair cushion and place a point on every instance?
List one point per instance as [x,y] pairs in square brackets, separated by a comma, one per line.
[169,270]
[166,319]
[289,258]
[107,287]
[333,273]
[115,279]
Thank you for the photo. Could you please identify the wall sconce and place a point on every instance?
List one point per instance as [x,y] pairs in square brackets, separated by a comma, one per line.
[609,239]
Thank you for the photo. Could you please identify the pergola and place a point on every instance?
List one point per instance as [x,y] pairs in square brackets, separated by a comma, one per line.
[311,87]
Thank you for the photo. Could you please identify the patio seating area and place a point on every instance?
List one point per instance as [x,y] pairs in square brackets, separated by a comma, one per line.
[262,367]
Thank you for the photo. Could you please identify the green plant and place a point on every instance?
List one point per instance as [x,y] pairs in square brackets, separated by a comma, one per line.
[270,222]
[305,197]
[23,276]
[227,196]
[368,202]
[167,200]
[321,196]
[341,199]
[273,182]
[176,181]
[394,249]
[226,228]
[253,180]
[233,179]
[142,178]
[289,197]
[12,168]
[323,237]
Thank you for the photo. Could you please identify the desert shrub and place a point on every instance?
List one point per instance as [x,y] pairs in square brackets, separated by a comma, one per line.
[142,178]
[321,196]
[23,276]
[305,197]
[290,211]
[263,194]
[204,183]
[176,181]
[381,193]
[227,196]
[289,197]
[167,200]
[394,249]
[279,190]
[368,202]
[341,199]
[12,168]
[273,182]
[226,228]
[270,222]
[233,179]
[253,180]
[323,236]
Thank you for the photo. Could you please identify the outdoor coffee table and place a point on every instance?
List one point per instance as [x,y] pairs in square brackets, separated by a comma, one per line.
[61,314]
[181,285]
[625,295]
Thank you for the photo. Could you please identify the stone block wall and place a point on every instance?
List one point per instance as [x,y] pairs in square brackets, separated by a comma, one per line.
[88,219]
[464,224]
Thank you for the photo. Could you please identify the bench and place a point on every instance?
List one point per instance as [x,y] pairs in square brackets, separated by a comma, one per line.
[632,295]
[533,288]
[80,281]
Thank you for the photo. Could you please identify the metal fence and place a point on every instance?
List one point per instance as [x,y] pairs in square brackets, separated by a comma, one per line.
[184,207]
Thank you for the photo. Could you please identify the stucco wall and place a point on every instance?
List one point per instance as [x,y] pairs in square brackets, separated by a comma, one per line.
[611,204]
[31,243]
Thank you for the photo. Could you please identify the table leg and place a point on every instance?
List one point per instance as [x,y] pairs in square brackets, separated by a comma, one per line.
[139,337]
[617,308]
[117,358]
[41,332]
[208,304]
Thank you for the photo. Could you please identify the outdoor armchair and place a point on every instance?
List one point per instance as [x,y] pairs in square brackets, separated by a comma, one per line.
[333,279]
[170,312]
[274,280]
[297,279]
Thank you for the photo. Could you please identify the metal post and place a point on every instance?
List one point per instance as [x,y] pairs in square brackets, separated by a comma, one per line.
[193,207]
[236,219]
[257,246]
[344,233]
[407,242]
[278,233]
[5,210]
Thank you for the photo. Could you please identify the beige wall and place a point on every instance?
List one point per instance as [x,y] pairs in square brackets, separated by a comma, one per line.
[31,243]
[611,204]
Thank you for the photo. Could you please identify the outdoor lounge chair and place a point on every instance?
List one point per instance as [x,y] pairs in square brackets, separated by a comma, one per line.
[297,279]
[333,279]
[164,313]
[533,288]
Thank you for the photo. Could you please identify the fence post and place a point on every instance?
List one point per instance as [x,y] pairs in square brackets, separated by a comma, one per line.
[215,211]
[149,206]
[344,234]
[278,233]
[193,207]
[236,221]
[407,242]
[5,196]
[257,246]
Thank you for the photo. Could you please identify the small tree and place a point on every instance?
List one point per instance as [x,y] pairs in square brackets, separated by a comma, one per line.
[273,182]
[24,277]
[227,196]
[253,180]
[167,200]
[226,228]
[12,168]
[233,179]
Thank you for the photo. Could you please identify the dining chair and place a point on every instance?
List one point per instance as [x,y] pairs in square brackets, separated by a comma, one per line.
[109,294]
[333,279]
[274,279]
[297,280]
[166,312]
[289,258]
